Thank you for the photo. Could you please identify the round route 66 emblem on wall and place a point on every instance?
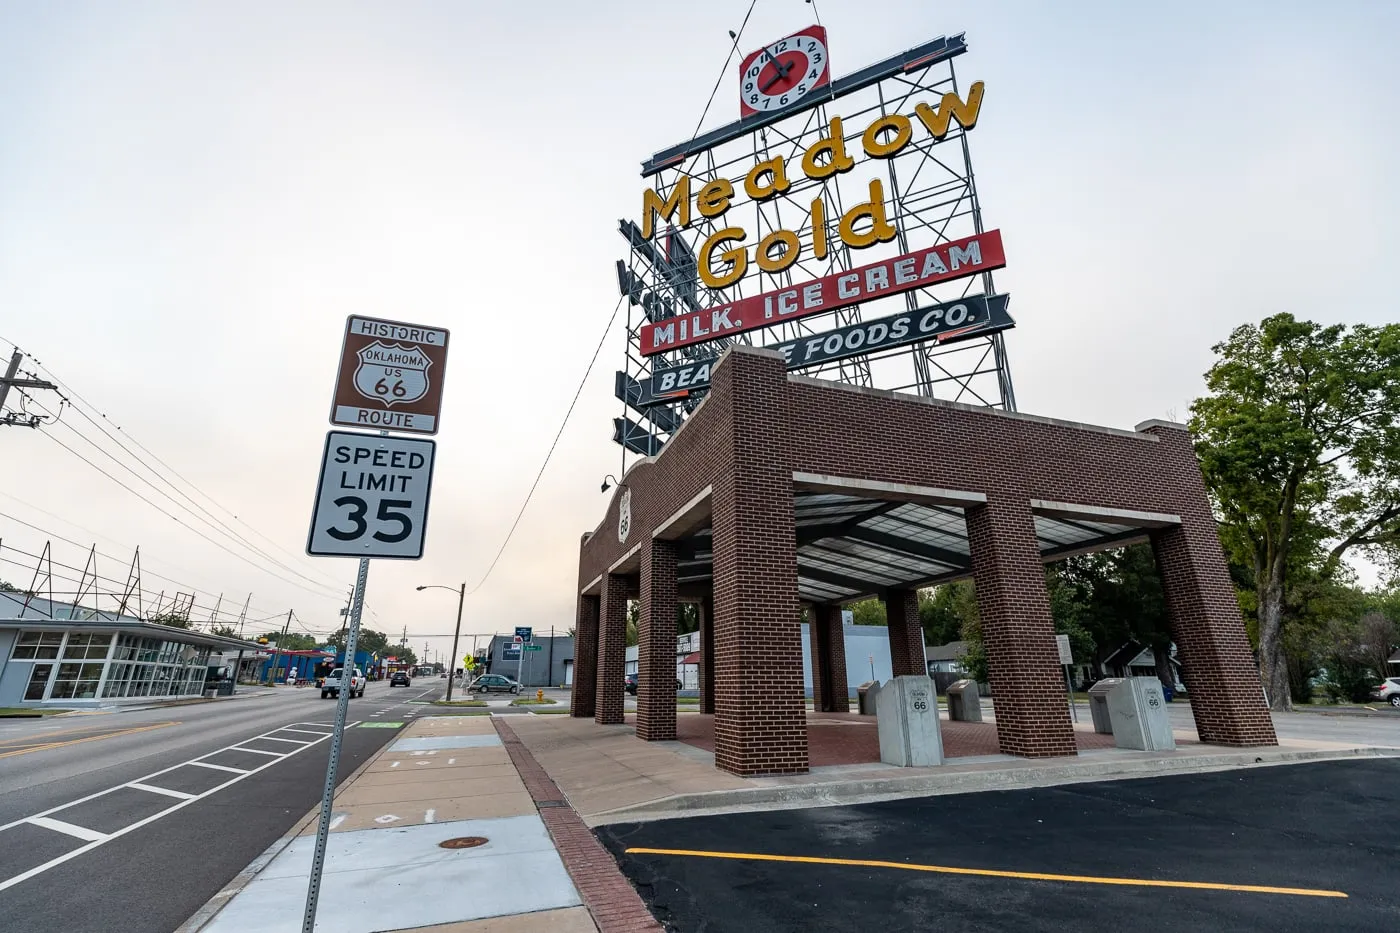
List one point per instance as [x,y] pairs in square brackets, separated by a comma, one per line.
[624,516]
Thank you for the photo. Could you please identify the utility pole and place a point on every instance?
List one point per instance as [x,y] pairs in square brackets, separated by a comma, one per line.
[10,380]
[272,672]
[457,633]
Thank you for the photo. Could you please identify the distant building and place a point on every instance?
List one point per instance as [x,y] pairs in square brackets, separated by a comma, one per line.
[947,659]
[61,654]
[551,666]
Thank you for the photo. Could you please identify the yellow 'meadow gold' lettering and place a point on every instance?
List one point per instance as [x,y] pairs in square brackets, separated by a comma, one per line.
[735,255]
[834,148]
[777,181]
[653,205]
[937,122]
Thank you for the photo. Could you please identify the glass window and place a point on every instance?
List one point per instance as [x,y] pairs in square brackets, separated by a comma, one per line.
[87,645]
[37,645]
[38,681]
[76,682]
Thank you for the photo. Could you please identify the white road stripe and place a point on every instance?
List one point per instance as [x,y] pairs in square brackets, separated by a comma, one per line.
[58,826]
[304,731]
[41,819]
[273,738]
[177,794]
[205,764]
[257,751]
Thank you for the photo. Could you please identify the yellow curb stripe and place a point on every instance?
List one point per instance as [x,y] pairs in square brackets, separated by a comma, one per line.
[90,738]
[992,873]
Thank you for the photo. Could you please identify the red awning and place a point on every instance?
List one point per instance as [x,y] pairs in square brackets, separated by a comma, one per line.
[692,658]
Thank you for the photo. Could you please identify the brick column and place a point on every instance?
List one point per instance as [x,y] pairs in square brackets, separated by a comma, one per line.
[760,713]
[905,632]
[656,643]
[612,649]
[1028,684]
[581,699]
[707,655]
[829,691]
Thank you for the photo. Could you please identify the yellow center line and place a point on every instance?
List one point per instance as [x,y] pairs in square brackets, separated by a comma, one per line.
[90,738]
[992,873]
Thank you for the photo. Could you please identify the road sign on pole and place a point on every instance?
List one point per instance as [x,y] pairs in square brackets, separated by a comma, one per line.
[523,633]
[390,376]
[1067,659]
[372,496]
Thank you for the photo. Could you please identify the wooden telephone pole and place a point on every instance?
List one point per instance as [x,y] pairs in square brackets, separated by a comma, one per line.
[14,418]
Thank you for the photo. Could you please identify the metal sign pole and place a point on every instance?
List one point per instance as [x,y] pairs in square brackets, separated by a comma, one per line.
[1069,690]
[342,710]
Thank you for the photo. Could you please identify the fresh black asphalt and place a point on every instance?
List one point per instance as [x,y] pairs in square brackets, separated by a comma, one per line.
[1332,825]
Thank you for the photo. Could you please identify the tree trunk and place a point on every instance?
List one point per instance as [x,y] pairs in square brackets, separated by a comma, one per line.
[1273,665]
[1162,658]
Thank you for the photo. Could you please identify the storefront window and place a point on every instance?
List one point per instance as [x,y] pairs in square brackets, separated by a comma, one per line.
[76,682]
[87,644]
[37,645]
[38,681]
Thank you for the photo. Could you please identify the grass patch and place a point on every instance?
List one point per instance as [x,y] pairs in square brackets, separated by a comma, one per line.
[531,701]
[27,712]
[459,703]
[550,712]
[687,701]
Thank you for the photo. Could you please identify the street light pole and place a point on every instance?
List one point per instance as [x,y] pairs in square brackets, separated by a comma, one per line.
[452,661]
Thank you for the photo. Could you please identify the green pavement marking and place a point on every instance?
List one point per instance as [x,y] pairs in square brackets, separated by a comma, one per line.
[381,725]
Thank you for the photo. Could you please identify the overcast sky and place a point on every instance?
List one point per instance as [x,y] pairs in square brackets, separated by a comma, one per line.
[193,196]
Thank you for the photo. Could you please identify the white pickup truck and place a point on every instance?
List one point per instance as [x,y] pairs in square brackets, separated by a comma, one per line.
[330,687]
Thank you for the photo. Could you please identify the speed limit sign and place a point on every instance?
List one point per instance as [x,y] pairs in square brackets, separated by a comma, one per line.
[372,499]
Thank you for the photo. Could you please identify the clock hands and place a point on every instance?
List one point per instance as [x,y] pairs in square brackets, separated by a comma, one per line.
[782,71]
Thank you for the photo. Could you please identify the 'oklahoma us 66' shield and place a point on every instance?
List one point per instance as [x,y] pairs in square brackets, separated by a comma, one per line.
[390,376]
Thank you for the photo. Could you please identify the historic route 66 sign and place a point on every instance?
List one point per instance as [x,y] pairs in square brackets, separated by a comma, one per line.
[390,376]
[393,374]
[624,516]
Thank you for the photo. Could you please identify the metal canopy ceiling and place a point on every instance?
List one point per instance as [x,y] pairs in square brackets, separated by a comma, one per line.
[849,547]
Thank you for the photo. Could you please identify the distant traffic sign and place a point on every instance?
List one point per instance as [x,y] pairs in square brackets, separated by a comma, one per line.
[534,647]
[372,498]
[523,633]
[390,376]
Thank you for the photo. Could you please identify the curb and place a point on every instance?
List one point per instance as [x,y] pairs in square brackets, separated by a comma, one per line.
[200,918]
[845,793]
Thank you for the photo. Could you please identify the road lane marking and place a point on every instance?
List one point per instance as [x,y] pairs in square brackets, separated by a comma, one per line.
[97,839]
[992,873]
[258,751]
[205,764]
[150,789]
[58,826]
[273,738]
[90,738]
[303,731]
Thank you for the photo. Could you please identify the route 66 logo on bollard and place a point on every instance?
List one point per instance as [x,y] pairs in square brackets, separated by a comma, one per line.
[392,374]
[624,516]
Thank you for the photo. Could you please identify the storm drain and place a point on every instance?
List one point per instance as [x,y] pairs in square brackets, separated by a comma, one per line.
[541,804]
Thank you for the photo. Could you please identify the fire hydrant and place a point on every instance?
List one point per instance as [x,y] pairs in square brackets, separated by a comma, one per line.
[539,696]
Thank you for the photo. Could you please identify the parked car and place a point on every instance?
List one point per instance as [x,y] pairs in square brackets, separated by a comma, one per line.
[399,679]
[632,684]
[331,686]
[495,683]
[1388,691]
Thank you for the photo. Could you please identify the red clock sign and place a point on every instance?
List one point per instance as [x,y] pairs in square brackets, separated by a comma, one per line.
[783,72]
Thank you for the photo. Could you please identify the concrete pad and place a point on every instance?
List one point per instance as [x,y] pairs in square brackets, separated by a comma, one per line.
[444,772]
[449,758]
[362,793]
[409,872]
[453,725]
[441,742]
[571,920]
[420,812]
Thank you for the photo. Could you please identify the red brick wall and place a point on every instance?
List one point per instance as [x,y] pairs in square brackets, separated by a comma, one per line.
[656,643]
[1018,631]
[707,655]
[760,712]
[581,700]
[612,649]
[906,634]
[758,425]
[830,693]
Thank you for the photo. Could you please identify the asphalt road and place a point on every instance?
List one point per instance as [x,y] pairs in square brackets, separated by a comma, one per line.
[1323,830]
[152,878]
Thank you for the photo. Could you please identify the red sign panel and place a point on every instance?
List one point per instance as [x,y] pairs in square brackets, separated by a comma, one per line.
[779,75]
[921,268]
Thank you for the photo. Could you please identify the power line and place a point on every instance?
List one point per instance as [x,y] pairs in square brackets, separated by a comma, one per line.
[524,505]
[720,80]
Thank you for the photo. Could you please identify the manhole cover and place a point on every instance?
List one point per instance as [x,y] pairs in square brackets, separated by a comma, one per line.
[463,842]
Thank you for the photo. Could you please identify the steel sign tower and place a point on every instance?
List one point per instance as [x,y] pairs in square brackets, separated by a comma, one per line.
[886,120]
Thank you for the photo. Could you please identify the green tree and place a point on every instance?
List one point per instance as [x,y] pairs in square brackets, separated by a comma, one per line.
[868,612]
[224,631]
[368,640]
[942,610]
[1299,442]
[8,587]
[295,641]
[173,619]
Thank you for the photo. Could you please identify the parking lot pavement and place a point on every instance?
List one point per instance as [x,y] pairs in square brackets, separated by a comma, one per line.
[1300,847]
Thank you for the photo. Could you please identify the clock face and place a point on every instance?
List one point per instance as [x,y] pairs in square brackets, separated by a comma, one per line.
[783,72]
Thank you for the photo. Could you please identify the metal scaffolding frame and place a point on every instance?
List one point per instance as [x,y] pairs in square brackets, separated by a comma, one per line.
[930,196]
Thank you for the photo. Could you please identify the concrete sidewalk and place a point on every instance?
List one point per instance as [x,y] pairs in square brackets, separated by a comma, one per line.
[609,775]
[441,833]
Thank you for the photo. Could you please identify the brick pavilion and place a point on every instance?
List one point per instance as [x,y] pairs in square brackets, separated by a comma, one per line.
[781,491]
